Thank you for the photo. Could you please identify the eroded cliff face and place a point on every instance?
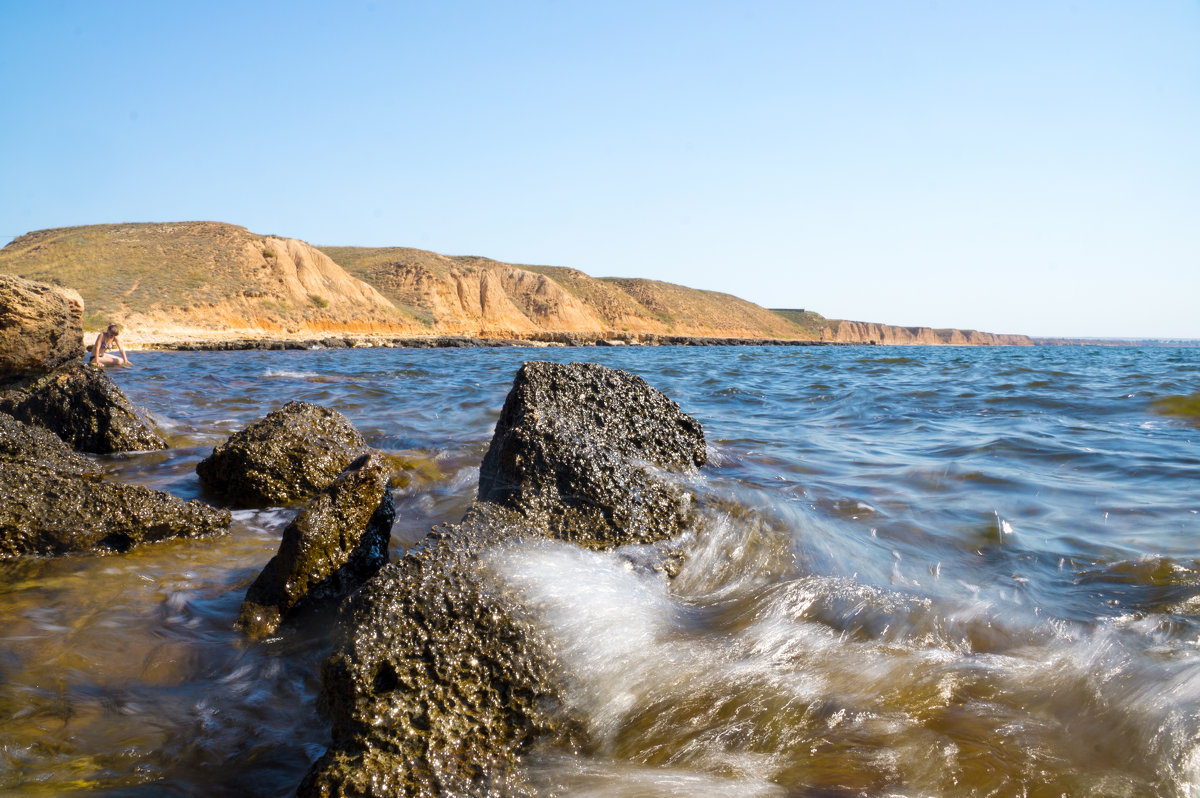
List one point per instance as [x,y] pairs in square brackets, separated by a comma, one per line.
[287,286]
[493,299]
[303,271]
[861,332]
[198,281]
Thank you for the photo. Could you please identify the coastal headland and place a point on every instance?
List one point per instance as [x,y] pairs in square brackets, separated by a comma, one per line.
[211,285]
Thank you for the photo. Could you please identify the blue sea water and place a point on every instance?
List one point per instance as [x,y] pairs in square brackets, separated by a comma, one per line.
[933,571]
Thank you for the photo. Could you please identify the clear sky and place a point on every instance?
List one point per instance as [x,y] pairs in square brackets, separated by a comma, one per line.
[1009,166]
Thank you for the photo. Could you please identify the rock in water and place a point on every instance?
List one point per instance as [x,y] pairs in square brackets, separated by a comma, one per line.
[45,382]
[437,683]
[286,457]
[334,545]
[52,501]
[576,449]
[25,443]
[83,406]
[43,327]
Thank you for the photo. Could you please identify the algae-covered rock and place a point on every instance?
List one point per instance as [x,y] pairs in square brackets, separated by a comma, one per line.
[439,682]
[337,542]
[52,501]
[43,326]
[435,686]
[286,457]
[576,449]
[83,406]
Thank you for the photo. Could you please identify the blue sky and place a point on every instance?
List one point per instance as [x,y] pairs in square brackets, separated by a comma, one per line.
[1028,167]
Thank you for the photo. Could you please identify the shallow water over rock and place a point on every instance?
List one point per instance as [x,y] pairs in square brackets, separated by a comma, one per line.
[928,571]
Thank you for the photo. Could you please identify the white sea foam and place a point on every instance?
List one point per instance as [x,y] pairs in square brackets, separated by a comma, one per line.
[290,375]
[742,676]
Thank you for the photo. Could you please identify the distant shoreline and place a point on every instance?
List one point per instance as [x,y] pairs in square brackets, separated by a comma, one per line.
[546,340]
[184,340]
[202,343]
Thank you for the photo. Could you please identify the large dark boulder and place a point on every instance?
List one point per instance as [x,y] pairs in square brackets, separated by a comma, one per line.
[43,327]
[52,501]
[286,457]
[337,542]
[438,682]
[25,443]
[83,406]
[436,686]
[578,448]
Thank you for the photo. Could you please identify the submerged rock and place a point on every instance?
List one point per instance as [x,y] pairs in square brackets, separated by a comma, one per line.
[83,406]
[438,683]
[576,451]
[43,326]
[286,457]
[334,545]
[52,501]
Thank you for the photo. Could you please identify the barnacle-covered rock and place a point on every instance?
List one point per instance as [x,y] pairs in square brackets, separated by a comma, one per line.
[439,682]
[53,501]
[580,449]
[286,457]
[337,542]
[82,405]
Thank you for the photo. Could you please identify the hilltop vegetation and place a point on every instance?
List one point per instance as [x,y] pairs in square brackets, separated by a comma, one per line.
[202,276]
[201,280]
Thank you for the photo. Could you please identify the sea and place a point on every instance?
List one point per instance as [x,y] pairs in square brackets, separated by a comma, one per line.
[928,571]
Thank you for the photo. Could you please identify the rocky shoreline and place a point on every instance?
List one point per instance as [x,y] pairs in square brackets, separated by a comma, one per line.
[438,681]
[465,341]
[53,500]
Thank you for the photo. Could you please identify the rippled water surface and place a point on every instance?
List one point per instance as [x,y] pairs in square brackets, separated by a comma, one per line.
[930,571]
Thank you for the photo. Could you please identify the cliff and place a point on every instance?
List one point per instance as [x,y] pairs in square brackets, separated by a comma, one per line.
[864,332]
[201,277]
[868,332]
[208,281]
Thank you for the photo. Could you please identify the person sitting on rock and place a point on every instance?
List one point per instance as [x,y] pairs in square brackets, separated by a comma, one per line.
[106,341]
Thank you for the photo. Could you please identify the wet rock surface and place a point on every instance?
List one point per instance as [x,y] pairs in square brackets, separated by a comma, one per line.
[25,443]
[286,457]
[436,686]
[54,502]
[438,683]
[43,327]
[337,542]
[579,450]
[83,406]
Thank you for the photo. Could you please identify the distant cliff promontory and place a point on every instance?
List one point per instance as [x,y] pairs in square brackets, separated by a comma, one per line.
[865,332]
[211,281]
